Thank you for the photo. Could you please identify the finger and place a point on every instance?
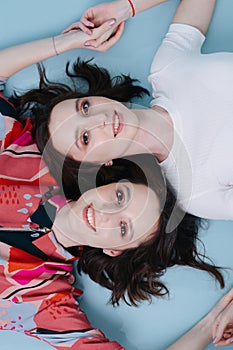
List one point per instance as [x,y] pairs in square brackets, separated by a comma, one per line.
[87,22]
[113,39]
[227,335]
[214,331]
[221,329]
[221,305]
[228,297]
[101,34]
[101,30]
[78,25]
[224,342]
[99,41]
[84,28]
[117,35]
[106,44]
[71,27]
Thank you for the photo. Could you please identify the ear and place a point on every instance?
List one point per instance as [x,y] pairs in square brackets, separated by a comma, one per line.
[112,252]
[109,163]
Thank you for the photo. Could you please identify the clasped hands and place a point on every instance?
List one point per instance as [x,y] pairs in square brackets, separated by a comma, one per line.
[220,319]
[104,24]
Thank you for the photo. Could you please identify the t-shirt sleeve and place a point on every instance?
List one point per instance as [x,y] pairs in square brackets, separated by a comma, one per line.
[180,40]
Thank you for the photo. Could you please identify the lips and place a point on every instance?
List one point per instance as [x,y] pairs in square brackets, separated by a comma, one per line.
[89,217]
[117,123]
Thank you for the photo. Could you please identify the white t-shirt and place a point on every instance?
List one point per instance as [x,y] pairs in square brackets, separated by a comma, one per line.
[197,91]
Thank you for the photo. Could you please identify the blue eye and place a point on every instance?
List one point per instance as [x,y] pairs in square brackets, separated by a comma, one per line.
[123,226]
[85,138]
[85,107]
[120,196]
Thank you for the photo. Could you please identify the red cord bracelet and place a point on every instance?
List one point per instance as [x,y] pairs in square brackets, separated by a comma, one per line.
[132,7]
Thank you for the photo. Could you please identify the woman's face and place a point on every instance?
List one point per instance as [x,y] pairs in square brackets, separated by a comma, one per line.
[116,216]
[93,129]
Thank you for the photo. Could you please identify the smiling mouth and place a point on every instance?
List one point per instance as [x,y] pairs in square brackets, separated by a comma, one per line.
[89,216]
[117,123]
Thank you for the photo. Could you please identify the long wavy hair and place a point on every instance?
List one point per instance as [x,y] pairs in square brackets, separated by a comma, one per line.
[95,81]
[135,275]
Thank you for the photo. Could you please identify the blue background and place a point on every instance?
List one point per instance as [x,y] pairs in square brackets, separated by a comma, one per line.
[192,293]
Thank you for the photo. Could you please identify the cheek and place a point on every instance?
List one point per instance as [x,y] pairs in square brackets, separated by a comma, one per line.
[106,238]
[145,220]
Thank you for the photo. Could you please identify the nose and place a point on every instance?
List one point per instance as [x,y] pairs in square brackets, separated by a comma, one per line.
[103,218]
[94,121]
[106,215]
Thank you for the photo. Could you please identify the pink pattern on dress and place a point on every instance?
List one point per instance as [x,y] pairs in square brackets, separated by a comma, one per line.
[24,277]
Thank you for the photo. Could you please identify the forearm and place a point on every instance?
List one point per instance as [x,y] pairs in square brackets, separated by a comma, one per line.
[196,339]
[18,57]
[125,9]
[197,13]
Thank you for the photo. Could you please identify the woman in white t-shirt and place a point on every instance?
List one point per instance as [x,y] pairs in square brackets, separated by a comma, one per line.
[111,130]
[189,125]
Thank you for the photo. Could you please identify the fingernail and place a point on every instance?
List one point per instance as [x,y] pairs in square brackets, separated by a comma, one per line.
[111,22]
[215,340]
[87,44]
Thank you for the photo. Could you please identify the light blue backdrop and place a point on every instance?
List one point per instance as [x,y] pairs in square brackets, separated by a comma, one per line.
[193,293]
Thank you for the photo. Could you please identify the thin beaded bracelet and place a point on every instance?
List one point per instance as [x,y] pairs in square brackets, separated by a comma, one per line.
[132,7]
[54,46]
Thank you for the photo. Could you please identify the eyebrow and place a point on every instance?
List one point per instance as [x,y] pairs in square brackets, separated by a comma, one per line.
[77,104]
[128,195]
[77,130]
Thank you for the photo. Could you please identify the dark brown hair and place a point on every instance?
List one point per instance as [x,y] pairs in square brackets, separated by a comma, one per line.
[135,274]
[85,79]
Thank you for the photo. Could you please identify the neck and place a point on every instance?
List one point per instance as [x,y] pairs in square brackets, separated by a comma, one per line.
[155,133]
[62,230]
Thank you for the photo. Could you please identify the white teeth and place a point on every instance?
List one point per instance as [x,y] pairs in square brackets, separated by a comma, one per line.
[116,124]
[90,216]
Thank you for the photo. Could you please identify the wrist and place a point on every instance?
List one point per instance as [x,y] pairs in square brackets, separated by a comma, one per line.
[64,42]
[204,328]
[124,10]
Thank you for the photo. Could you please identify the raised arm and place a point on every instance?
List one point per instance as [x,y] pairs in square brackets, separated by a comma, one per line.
[18,57]
[197,13]
[196,339]
[203,332]
[121,10]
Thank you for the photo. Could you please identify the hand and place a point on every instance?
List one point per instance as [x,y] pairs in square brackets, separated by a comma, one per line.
[97,15]
[106,40]
[223,325]
[213,318]
[101,39]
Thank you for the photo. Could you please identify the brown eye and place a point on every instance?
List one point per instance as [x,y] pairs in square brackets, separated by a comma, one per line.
[85,107]
[85,138]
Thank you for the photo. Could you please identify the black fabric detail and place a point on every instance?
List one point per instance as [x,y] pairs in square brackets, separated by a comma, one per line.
[49,331]
[23,240]
[20,153]
[7,109]
[44,216]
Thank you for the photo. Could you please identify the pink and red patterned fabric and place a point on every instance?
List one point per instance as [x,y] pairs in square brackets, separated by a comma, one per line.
[37,297]
[24,177]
